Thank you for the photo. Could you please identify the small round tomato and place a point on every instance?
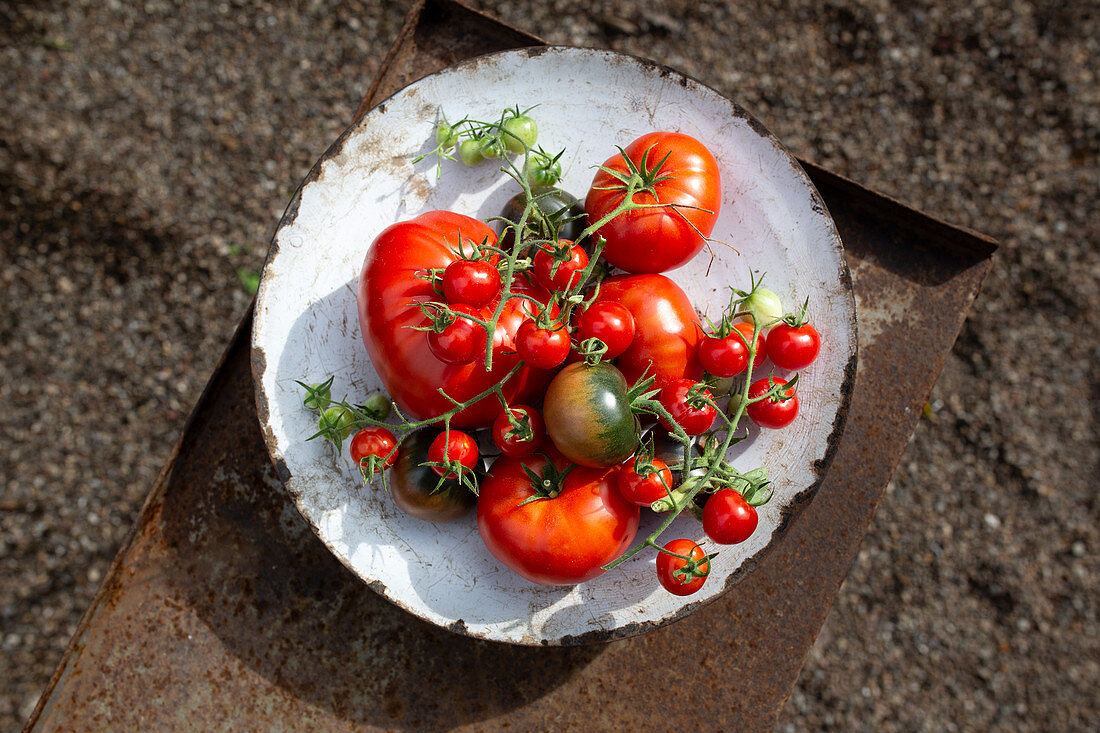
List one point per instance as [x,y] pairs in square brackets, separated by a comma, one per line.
[575,260]
[693,418]
[471,282]
[469,151]
[724,356]
[582,524]
[746,330]
[416,488]
[543,348]
[336,418]
[793,348]
[772,412]
[461,342]
[682,576]
[644,490]
[519,133]
[764,305]
[588,416]
[451,446]
[374,441]
[728,518]
[541,170]
[611,323]
[518,442]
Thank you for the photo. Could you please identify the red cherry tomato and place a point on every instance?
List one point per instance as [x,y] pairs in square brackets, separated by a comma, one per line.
[506,438]
[611,323]
[461,342]
[727,518]
[772,413]
[724,357]
[685,583]
[694,420]
[566,276]
[657,239]
[473,282]
[559,540]
[452,446]
[542,348]
[644,490]
[793,348]
[374,441]
[761,343]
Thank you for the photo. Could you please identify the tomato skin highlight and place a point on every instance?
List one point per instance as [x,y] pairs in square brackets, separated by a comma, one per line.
[724,357]
[658,239]
[611,323]
[413,485]
[588,415]
[793,348]
[559,541]
[728,519]
[667,565]
[770,413]
[510,445]
[666,328]
[388,292]
[543,348]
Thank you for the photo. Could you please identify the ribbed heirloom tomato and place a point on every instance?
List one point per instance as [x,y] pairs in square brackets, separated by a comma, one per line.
[680,171]
[565,538]
[391,284]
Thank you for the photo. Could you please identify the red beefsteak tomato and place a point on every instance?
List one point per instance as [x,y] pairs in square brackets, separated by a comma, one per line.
[681,172]
[666,328]
[554,541]
[389,290]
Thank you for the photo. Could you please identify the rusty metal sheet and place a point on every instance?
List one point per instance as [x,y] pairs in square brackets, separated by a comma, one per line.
[223,611]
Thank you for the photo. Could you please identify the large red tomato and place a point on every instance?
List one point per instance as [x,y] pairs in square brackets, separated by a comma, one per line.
[666,328]
[388,292]
[555,541]
[664,238]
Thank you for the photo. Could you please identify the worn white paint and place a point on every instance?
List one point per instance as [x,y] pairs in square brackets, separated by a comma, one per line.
[306,323]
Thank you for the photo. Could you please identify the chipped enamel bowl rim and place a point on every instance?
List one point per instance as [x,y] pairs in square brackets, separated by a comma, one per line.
[306,325]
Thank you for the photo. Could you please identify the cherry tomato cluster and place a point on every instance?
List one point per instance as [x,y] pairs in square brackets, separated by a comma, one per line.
[599,388]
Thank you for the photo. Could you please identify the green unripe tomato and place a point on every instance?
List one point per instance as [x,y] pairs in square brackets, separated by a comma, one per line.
[336,417]
[317,396]
[519,133]
[491,146]
[765,307]
[541,170]
[446,135]
[469,151]
[588,416]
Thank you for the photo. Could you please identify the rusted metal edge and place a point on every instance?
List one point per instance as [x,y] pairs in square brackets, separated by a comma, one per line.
[150,505]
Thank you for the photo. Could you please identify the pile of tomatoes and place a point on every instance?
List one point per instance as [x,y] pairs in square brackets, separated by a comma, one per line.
[589,370]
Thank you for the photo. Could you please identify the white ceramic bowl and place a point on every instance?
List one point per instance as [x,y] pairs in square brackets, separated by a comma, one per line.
[306,325]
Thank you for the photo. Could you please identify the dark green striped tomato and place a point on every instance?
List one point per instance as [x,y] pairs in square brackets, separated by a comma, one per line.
[413,485]
[587,414]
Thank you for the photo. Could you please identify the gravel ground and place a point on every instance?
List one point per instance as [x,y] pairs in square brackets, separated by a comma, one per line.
[147,152]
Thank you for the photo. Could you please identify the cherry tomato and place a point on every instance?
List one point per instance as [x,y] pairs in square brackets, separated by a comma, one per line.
[772,413]
[694,420]
[542,348]
[519,133]
[566,275]
[588,416]
[685,583]
[563,539]
[416,489]
[507,438]
[472,282]
[660,238]
[727,518]
[374,441]
[724,356]
[461,342]
[644,490]
[470,152]
[455,446]
[611,323]
[666,328]
[793,348]
[746,330]
[336,417]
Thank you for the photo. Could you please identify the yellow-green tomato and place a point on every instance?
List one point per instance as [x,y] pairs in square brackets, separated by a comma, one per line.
[588,416]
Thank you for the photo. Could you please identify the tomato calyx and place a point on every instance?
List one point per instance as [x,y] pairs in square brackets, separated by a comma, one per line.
[546,484]
[639,177]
